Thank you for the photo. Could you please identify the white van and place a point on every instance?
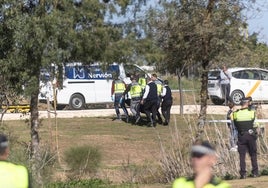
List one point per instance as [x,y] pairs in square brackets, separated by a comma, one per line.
[85,84]
[245,82]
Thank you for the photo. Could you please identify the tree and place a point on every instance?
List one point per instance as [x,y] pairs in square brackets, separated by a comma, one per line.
[38,33]
[198,33]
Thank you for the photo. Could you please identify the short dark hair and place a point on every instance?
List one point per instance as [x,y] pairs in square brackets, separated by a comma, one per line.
[231,104]
[154,75]
[166,82]
[245,100]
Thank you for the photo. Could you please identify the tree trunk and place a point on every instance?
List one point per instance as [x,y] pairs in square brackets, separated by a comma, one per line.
[204,76]
[35,148]
[203,99]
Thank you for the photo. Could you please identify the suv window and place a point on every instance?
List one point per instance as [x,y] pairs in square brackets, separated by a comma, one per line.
[214,75]
[244,74]
[263,75]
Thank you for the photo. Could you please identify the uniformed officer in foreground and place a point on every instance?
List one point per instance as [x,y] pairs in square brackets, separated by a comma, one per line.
[203,157]
[11,175]
[247,135]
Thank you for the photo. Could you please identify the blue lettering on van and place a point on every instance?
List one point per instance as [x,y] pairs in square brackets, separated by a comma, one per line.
[79,73]
[90,72]
[100,75]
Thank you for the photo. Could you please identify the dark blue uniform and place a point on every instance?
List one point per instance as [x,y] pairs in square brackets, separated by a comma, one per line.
[151,101]
[247,135]
[166,104]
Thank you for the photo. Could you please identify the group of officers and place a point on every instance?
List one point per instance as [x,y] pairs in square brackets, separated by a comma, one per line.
[145,96]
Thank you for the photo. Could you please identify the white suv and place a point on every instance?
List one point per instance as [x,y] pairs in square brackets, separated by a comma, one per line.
[245,82]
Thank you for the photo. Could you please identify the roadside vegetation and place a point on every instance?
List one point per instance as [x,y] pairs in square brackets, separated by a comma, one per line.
[99,152]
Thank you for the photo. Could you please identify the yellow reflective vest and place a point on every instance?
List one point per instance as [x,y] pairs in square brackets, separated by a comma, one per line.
[119,86]
[188,183]
[13,176]
[159,87]
[135,90]
[243,119]
[142,82]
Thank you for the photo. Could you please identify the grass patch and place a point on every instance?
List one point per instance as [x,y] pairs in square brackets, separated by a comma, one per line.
[132,154]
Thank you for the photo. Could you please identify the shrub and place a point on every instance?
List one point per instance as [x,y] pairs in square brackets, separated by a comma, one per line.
[264,172]
[83,159]
[92,183]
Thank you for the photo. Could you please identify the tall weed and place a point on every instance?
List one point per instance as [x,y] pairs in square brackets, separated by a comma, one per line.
[82,160]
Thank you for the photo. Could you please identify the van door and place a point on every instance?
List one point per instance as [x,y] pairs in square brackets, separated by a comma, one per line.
[103,82]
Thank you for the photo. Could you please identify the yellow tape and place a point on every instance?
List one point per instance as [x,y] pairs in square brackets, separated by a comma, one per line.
[18,108]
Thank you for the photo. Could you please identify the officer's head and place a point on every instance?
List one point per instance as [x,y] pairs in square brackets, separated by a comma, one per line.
[245,101]
[231,105]
[133,78]
[3,147]
[153,77]
[203,156]
[166,82]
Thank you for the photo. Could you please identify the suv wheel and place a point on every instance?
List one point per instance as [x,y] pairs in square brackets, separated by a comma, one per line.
[236,96]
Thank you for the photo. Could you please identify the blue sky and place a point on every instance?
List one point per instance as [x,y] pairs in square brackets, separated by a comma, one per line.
[258,20]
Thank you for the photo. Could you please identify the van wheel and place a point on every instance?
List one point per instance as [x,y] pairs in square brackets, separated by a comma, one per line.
[217,101]
[236,97]
[77,102]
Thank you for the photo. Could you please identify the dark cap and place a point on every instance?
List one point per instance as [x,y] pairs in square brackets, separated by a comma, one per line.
[246,100]
[249,98]
[3,141]
[204,148]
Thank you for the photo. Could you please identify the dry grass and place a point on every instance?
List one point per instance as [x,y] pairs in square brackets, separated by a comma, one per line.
[129,150]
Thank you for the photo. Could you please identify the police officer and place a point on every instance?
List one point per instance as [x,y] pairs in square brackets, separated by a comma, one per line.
[11,175]
[247,134]
[167,102]
[203,157]
[135,91]
[150,100]
[159,86]
[117,90]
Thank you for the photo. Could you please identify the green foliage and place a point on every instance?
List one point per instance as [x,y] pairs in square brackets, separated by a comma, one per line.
[187,84]
[229,176]
[83,159]
[264,172]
